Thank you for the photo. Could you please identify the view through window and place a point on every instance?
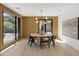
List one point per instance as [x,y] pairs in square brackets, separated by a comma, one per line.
[8,28]
[45,26]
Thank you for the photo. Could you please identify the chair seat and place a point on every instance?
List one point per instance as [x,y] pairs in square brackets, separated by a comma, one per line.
[43,41]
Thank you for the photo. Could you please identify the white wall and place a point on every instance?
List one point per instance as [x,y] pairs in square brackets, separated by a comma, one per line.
[71,13]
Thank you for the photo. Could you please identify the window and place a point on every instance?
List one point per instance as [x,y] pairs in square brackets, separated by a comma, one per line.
[11,28]
[8,28]
[45,26]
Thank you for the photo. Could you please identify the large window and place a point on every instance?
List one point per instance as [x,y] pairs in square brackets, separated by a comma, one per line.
[8,28]
[11,28]
[45,25]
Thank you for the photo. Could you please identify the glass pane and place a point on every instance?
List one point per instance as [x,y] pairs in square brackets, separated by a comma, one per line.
[48,26]
[8,28]
[41,26]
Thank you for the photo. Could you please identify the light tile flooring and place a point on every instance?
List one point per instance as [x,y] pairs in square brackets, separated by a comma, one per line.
[21,48]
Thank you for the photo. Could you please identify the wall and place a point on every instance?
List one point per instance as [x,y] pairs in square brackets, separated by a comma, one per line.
[69,14]
[30,26]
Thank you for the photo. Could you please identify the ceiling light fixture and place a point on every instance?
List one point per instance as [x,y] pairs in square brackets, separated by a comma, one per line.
[41,17]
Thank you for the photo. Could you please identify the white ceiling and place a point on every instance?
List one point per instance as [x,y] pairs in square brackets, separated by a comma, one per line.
[33,9]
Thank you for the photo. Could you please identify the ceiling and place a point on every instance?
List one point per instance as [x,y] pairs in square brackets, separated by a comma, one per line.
[33,9]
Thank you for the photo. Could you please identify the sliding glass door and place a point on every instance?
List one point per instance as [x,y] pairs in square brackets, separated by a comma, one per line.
[8,28]
[11,28]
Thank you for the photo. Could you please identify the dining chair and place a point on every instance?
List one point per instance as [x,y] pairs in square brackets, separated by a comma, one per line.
[31,40]
[44,40]
[52,39]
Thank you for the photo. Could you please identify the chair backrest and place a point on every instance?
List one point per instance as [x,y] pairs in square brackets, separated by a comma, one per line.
[29,37]
[48,33]
[54,37]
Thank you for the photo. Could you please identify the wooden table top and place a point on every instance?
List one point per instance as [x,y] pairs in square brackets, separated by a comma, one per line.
[40,35]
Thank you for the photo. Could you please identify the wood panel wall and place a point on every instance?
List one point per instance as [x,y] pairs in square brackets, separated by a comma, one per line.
[30,26]
[3,8]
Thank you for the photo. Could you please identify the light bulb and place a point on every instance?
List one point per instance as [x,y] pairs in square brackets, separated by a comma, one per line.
[36,21]
[36,18]
[46,18]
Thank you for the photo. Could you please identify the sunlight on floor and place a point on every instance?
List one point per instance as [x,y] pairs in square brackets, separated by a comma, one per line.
[7,48]
[60,41]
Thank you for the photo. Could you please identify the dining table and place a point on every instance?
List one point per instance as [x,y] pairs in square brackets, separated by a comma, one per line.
[41,37]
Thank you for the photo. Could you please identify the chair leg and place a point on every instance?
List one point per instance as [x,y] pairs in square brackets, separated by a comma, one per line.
[41,45]
[41,42]
[53,41]
[28,42]
[49,42]
[31,44]
[49,45]
[34,42]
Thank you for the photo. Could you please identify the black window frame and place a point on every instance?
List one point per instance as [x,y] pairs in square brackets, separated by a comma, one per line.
[45,24]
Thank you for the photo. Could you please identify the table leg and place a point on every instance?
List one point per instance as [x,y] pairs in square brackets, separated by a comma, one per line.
[41,42]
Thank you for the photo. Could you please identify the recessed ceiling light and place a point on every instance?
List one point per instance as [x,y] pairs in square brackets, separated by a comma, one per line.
[18,8]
